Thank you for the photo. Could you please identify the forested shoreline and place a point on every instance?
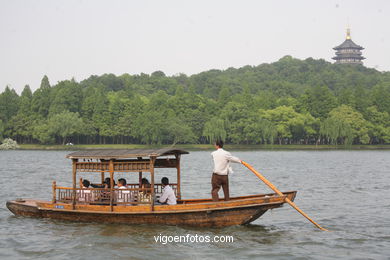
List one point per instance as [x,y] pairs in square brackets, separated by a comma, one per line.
[290,101]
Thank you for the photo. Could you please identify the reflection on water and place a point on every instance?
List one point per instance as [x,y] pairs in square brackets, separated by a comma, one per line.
[344,191]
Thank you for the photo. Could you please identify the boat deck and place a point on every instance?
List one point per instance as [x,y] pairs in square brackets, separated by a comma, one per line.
[193,212]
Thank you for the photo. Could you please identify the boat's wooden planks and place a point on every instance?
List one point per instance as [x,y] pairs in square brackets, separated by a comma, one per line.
[206,218]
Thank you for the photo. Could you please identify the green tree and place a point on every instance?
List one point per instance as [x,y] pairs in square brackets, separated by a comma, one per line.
[21,124]
[179,132]
[236,115]
[67,96]
[347,97]
[362,100]
[292,95]
[132,109]
[303,127]
[94,101]
[1,130]
[347,117]
[150,127]
[259,130]
[265,100]
[95,110]
[379,125]
[41,99]
[25,101]
[335,129]
[190,109]
[9,104]
[224,96]
[318,101]
[214,129]
[380,96]
[288,124]
[20,128]
[42,132]
[65,124]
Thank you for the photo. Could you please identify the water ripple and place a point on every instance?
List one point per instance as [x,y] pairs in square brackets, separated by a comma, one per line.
[344,191]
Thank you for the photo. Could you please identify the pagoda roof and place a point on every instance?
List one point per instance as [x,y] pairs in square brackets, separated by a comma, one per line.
[348,56]
[348,44]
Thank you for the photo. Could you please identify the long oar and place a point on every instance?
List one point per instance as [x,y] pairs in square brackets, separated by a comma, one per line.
[261,177]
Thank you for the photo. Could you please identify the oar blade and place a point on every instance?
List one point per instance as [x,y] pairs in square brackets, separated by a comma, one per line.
[267,182]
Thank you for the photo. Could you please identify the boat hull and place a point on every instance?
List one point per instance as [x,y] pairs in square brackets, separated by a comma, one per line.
[200,213]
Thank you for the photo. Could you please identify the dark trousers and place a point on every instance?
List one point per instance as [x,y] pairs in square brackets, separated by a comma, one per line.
[216,182]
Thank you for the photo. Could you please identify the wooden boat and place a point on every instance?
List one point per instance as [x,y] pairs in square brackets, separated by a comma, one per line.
[102,204]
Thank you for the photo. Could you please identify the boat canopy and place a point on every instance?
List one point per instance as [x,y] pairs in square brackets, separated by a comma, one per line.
[126,160]
[108,154]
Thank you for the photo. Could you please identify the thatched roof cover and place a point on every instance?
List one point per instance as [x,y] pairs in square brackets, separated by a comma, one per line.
[107,154]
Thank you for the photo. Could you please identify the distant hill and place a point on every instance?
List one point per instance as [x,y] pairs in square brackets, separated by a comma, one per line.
[288,101]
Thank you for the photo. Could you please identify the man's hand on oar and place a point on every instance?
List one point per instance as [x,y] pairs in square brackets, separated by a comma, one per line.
[261,177]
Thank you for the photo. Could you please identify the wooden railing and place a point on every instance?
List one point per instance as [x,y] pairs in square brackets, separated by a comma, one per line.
[157,187]
[132,195]
[100,196]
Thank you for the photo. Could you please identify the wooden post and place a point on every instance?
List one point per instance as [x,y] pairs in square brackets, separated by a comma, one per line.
[140,179]
[139,174]
[111,169]
[74,169]
[178,176]
[54,198]
[102,177]
[152,160]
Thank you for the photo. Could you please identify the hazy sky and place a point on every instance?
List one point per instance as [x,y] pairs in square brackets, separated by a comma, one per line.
[69,38]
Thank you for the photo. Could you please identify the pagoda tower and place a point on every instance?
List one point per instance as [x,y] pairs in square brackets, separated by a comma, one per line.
[348,52]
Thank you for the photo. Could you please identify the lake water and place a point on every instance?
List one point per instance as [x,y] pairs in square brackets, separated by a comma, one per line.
[346,192]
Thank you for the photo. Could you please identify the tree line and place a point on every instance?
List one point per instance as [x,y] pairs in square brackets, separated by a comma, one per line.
[290,101]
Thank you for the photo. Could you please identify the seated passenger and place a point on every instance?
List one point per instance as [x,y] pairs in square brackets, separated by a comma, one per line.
[144,195]
[145,184]
[168,195]
[106,184]
[121,180]
[123,195]
[122,184]
[104,196]
[85,195]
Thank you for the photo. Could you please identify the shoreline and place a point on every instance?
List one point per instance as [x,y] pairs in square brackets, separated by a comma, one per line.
[205,147]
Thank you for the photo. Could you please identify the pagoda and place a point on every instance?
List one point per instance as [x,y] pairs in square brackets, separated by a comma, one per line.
[348,52]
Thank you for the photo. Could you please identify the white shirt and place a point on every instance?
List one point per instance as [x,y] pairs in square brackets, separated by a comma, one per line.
[168,196]
[222,161]
[84,195]
[123,195]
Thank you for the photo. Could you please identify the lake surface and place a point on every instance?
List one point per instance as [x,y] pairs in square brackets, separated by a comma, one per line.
[346,192]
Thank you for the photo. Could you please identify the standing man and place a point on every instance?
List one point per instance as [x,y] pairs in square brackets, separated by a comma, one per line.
[221,171]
